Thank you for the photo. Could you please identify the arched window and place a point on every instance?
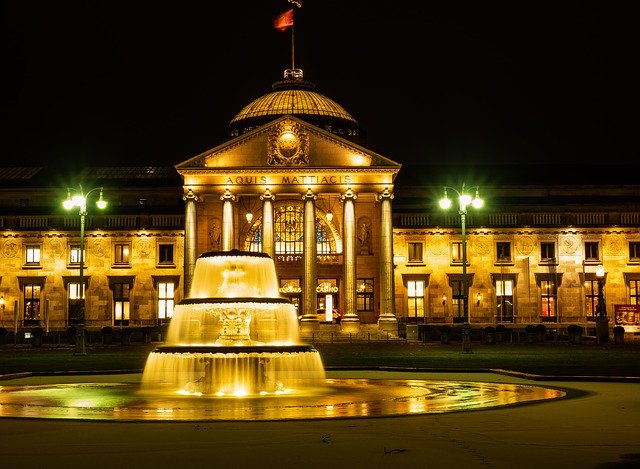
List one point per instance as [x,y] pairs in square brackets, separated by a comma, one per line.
[289,232]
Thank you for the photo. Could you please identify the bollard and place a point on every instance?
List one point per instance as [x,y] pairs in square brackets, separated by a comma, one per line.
[466,338]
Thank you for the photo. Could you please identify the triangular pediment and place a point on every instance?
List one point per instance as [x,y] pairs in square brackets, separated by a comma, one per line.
[288,142]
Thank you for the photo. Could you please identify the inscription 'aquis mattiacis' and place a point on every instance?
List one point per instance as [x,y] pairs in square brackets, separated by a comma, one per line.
[289,179]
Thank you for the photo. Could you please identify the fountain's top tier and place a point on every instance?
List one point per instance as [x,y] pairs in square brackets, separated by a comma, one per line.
[234,274]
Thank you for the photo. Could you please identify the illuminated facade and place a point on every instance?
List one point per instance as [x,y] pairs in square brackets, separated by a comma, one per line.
[358,241]
[132,254]
[294,180]
[532,251]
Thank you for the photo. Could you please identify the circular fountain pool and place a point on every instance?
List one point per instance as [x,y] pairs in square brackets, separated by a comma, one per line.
[337,398]
[233,352]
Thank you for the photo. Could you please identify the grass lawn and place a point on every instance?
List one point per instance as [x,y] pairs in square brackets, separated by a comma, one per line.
[540,358]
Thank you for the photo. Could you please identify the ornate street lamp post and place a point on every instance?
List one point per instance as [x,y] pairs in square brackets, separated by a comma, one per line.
[464,200]
[602,321]
[79,199]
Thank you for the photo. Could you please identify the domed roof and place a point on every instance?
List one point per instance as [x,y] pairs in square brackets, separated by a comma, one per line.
[295,96]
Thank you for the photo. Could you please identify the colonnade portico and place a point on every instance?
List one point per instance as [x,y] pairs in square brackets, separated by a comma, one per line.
[309,320]
[291,169]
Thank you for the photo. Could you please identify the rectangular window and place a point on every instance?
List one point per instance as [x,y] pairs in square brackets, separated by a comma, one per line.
[165,254]
[503,251]
[364,294]
[504,300]
[31,304]
[121,304]
[74,254]
[547,252]
[166,300]
[634,251]
[415,296]
[592,251]
[75,303]
[456,252]
[414,252]
[32,254]
[549,300]
[457,300]
[591,299]
[122,254]
[634,292]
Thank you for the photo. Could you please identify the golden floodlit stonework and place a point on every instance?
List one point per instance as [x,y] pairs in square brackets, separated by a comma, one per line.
[288,145]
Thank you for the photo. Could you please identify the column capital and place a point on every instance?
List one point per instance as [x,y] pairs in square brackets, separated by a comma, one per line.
[190,196]
[386,194]
[309,196]
[350,195]
[227,196]
[267,195]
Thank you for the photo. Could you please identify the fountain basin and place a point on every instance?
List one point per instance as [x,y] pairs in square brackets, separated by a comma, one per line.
[119,398]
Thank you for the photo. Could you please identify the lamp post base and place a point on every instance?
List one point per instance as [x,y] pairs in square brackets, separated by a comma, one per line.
[466,338]
[80,341]
[602,329]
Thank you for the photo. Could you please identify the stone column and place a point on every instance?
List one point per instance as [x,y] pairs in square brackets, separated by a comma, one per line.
[190,239]
[309,321]
[387,320]
[268,238]
[228,234]
[350,321]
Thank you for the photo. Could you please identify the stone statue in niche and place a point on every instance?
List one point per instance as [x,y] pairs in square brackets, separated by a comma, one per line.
[364,236]
[214,234]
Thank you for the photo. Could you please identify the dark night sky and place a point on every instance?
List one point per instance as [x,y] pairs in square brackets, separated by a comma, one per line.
[141,82]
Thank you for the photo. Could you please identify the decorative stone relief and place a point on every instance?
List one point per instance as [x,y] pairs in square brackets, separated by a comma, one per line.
[569,244]
[97,247]
[56,248]
[613,244]
[437,247]
[144,247]
[288,145]
[11,248]
[525,244]
[481,245]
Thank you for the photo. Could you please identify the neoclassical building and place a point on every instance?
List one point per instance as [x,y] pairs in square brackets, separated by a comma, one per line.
[294,180]
[358,240]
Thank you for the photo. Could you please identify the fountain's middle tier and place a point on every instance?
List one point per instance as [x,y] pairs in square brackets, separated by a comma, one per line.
[233,322]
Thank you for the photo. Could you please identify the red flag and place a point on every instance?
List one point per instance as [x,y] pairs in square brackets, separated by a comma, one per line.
[282,22]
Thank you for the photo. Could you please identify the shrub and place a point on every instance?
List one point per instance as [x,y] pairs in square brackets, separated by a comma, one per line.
[618,329]
[574,329]
[501,328]
[445,330]
[3,331]
[489,329]
[530,328]
[541,328]
[37,332]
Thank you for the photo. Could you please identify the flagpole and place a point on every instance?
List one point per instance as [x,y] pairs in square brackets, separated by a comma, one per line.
[293,60]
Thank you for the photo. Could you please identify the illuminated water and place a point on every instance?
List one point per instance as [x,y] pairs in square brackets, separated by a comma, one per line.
[336,398]
[234,335]
[232,352]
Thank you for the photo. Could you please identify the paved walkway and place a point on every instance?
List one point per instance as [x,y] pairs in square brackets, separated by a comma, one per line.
[597,426]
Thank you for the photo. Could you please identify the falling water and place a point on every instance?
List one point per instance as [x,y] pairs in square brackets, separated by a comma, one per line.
[233,335]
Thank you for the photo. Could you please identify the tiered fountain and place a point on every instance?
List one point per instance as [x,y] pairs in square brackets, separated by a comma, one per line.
[234,334]
[232,352]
